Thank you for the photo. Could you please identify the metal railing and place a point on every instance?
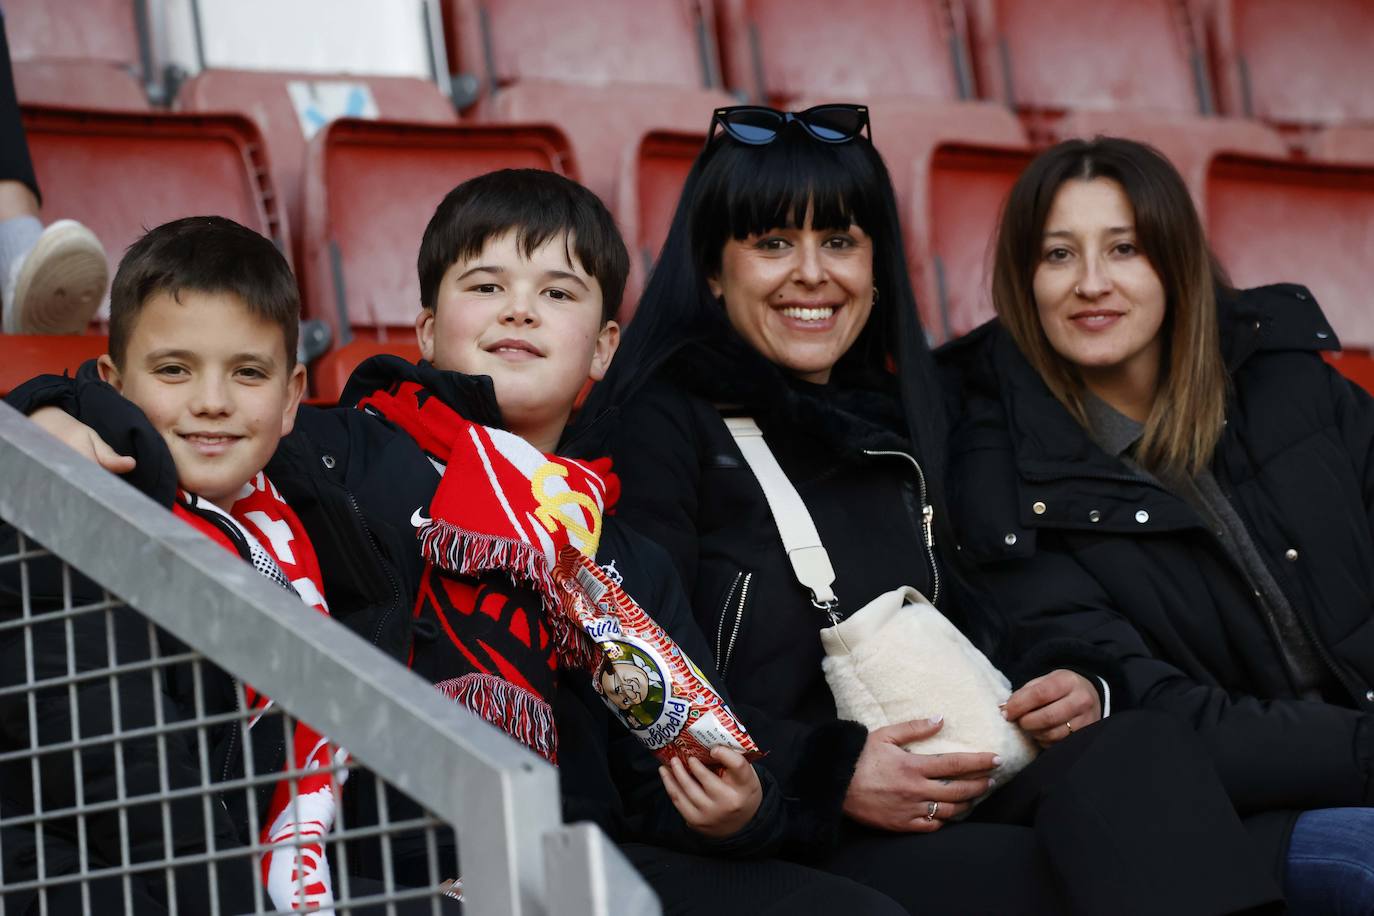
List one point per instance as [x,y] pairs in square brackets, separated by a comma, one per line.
[128,766]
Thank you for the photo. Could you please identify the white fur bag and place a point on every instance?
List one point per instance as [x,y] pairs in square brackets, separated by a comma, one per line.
[898,658]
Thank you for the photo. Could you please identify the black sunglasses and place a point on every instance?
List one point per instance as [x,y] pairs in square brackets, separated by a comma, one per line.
[757,125]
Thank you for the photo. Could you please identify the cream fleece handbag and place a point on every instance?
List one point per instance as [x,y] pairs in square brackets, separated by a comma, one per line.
[897,658]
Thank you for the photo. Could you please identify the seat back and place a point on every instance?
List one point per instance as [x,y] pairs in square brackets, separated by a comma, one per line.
[289,108]
[585,42]
[85,53]
[371,188]
[1190,142]
[648,195]
[1295,63]
[953,230]
[1274,221]
[776,51]
[98,31]
[1053,55]
[22,356]
[605,125]
[121,173]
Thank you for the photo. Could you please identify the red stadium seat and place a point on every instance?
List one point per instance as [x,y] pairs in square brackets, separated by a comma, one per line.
[88,84]
[1295,64]
[330,373]
[94,30]
[22,356]
[85,53]
[1190,141]
[1271,220]
[1048,57]
[121,173]
[371,188]
[606,72]
[778,51]
[265,97]
[951,226]
[605,125]
[1349,144]
[587,42]
[648,195]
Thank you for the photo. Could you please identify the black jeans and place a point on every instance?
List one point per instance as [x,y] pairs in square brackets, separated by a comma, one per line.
[689,885]
[1123,817]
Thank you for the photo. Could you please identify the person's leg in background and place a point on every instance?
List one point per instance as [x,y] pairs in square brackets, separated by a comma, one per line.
[1331,863]
[51,279]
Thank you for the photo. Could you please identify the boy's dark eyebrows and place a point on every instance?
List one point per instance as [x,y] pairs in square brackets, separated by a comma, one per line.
[247,356]
[253,356]
[501,272]
[169,353]
[566,275]
[481,268]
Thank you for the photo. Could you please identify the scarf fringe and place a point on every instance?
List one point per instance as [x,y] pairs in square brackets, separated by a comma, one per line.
[462,550]
[511,708]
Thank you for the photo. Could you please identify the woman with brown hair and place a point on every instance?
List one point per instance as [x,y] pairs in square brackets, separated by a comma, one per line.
[1164,466]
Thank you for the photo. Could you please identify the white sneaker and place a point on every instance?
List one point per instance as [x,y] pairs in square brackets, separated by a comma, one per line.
[57,287]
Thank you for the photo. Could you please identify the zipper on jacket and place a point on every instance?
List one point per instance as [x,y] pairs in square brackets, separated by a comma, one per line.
[725,649]
[390,576]
[927,519]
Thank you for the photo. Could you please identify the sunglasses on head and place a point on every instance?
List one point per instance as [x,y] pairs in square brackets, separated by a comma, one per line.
[757,125]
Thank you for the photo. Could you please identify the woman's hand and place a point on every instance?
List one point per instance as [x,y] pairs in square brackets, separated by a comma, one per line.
[1054,706]
[895,790]
[80,437]
[714,805]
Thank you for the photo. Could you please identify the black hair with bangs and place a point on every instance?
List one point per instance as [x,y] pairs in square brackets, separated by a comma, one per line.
[735,190]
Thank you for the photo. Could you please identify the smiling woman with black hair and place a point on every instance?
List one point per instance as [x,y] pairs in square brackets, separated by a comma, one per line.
[782,294]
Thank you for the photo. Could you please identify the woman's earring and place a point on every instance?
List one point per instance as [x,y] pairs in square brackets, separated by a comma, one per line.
[875,294]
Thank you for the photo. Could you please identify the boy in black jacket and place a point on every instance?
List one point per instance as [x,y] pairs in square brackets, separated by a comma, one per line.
[519,273]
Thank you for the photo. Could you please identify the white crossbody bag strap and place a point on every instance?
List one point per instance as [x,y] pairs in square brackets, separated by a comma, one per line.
[810,562]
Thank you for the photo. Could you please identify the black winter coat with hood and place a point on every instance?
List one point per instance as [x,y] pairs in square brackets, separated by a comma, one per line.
[1071,540]
[686,485]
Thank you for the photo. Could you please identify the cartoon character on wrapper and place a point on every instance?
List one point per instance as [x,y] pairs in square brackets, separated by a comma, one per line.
[630,683]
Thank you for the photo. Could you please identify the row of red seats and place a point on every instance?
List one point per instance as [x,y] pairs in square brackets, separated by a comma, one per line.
[609,70]
[370,187]
[1293,65]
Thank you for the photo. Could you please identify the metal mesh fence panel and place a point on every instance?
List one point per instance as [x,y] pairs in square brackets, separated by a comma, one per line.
[144,769]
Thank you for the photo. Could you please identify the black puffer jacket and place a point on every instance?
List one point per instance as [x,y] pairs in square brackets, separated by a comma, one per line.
[687,486]
[355,481]
[1071,540]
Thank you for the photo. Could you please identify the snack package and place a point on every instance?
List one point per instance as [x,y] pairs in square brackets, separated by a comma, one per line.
[641,674]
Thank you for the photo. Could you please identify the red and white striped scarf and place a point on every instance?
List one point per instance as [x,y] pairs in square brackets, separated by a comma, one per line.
[296,877]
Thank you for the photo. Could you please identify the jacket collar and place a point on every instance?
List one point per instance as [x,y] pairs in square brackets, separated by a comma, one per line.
[1065,480]
[472,396]
[848,414]
[1049,442]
